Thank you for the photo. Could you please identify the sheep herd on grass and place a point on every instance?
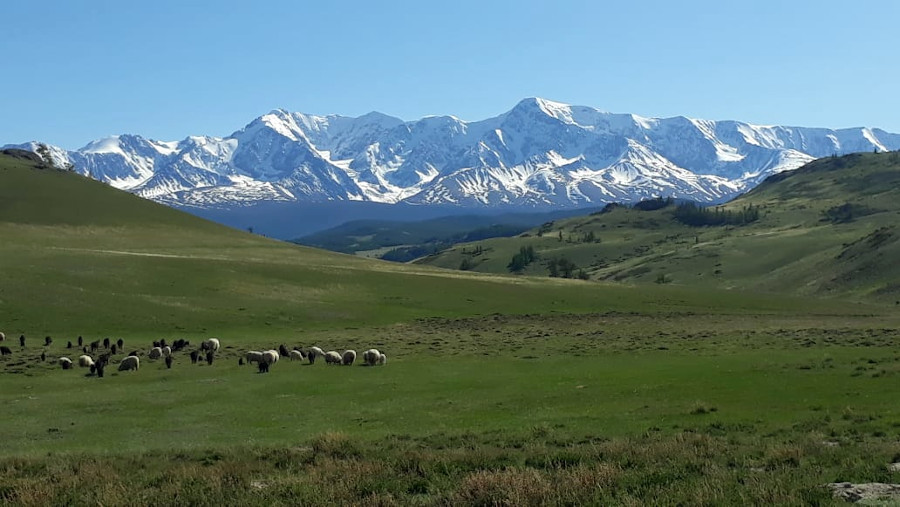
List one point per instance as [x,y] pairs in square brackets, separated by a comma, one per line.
[97,355]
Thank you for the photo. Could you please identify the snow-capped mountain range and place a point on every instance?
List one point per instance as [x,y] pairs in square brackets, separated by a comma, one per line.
[540,153]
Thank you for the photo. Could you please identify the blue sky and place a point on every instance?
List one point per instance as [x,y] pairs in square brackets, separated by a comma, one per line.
[77,71]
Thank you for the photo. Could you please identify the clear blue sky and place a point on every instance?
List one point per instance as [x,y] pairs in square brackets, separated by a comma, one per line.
[77,71]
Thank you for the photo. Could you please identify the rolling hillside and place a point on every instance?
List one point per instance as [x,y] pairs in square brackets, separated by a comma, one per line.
[828,228]
[80,257]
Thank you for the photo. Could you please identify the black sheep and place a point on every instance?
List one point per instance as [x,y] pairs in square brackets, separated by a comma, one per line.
[120,343]
[195,355]
[162,343]
[156,343]
[240,361]
[133,353]
[43,356]
[69,345]
[100,367]
[168,361]
[5,351]
[95,345]
[263,367]
[47,341]
[80,341]
[113,348]
[22,340]
[209,357]
[283,351]
[106,343]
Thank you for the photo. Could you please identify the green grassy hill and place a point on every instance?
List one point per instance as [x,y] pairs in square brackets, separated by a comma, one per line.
[829,228]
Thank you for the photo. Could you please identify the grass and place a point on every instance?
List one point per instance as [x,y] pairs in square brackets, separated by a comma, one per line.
[498,389]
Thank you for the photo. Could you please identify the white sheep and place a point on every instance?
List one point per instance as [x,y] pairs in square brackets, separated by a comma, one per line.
[370,357]
[167,351]
[348,357]
[85,361]
[130,363]
[314,352]
[382,359]
[2,336]
[332,357]
[210,344]
[254,356]
[270,357]
[155,353]
[296,355]
[65,362]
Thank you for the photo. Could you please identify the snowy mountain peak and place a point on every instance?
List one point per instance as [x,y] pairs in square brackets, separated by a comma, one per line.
[540,153]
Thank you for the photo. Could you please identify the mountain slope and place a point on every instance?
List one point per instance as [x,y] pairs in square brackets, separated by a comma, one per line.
[539,154]
[828,228]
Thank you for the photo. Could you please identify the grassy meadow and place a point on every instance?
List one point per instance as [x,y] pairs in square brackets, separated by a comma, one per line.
[499,390]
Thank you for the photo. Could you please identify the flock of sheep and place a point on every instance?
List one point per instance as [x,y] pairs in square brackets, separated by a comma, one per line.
[208,349]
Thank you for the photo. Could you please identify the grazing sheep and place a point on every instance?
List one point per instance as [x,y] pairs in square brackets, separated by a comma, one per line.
[84,349]
[120,343]
[85,361]
[47,341]
[254,356]
[113,348]
[296,355]
[382,359]
[43,356]
[93,368]
[65,362]
[22,340]
[370,357]
[195,356]
[167,351]
[314,352]
[130,363]
[211,344]
[80,341]
[95,345]
[240,361]
[168,361]
[270,357]
[332,357]
[283,351]
[155,353]
[2,336]
[348,357]
[69,345]
[99,369]
[179,344]
[210,355]
[5,351]
[263,367]
[103,359]
[106,343]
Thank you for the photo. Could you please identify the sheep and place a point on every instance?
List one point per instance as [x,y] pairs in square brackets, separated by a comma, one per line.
[195,356]
[69,345]
[210,344]
[2,336]
[47,341]
[296,355]
[283,351]
[157,344]
[382,359]
[5,351]
[65,362]
[263,367]
[43,356]
[113,348]
[370,357]
[106,343]
[332,357]
[133,353]
[22,340]
[80,341]
[168,361]
[95,345]
[210,355]
[240,361]
[314,352]
[348,357]
[162,343]
[130,363]
[167,351]
[179,344]
[270,357]
[99,369]
[254,356]
[155,353]
[85,361]
[119,342]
